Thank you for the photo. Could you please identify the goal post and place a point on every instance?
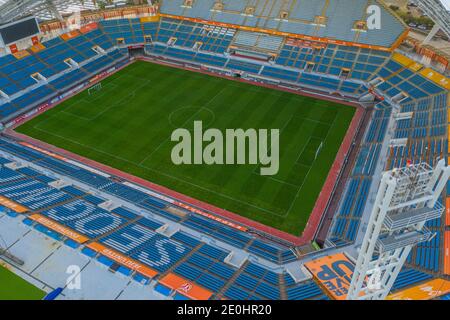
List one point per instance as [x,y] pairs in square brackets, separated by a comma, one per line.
[95,88]
[319,148]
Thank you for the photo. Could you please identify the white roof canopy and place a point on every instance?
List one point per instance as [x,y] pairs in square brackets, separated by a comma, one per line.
[45,9]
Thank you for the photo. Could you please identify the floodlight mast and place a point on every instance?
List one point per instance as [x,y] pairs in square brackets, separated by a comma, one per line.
[407,198]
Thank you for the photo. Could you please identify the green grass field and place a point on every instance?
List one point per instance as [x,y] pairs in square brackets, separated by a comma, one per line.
[12,287]
[128,125]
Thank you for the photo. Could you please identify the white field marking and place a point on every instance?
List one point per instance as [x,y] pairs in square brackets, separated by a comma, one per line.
[184,124]
[103,92]
[231,84]
[120,102]
[191,107]
[277,180]
[72,115]
[271,92]
[132,94]
[64,110]
[83,145]
[278,93]
[257,166]
[97,97]
[84,118]
[304,148]
[162,173]
[285,182]
[316,121]
[284,127]
[216,95]
[167,139]
[297,187]
[307,174]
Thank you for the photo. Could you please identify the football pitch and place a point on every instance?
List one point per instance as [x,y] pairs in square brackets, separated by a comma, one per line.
[129,122]
[13,287]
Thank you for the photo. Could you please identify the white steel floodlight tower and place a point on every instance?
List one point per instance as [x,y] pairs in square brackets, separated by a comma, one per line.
[407,198]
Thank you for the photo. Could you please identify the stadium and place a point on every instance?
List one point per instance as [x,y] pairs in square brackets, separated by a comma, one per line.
[93,207]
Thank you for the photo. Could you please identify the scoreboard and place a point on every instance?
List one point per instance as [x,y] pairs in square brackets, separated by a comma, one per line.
[13,32]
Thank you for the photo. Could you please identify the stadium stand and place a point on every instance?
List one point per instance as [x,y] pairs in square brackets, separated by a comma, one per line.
[314,19]
[412,101]
[125,231]
[407,277]
[40,76]
[65,62]
[88,206]
[347,220]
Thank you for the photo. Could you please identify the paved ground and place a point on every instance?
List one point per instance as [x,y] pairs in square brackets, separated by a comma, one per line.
[49,264]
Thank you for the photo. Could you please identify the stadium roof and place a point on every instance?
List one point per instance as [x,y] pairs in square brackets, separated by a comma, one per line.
[40,7]
[446,4]
[45,9]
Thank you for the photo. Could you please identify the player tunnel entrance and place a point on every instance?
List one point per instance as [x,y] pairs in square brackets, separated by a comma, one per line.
[136,51]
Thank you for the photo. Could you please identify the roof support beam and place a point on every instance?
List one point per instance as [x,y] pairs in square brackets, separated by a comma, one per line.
[437,12]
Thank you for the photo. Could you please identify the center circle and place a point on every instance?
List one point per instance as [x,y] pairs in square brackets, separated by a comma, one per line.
[184,117]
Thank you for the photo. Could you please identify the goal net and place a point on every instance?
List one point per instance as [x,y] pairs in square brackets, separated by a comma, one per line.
[95,88]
